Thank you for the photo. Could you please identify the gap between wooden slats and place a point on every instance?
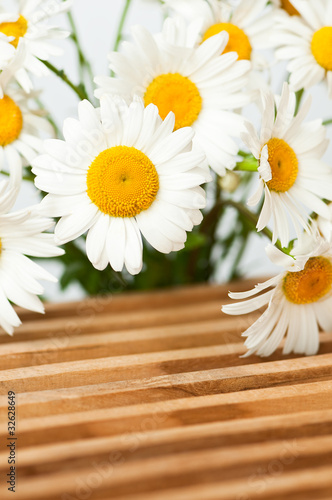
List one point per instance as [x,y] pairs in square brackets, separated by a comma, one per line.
[307,484]
[103,370]
[137,446]
[214,333]
[197,467]
[114,322]
[128,302]
[176,412]
[94,345]
[127,311]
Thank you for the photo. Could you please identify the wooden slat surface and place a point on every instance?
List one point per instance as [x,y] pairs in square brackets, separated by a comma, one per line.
[145,397]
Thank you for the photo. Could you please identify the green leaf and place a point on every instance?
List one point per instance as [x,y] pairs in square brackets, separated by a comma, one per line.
[194,241]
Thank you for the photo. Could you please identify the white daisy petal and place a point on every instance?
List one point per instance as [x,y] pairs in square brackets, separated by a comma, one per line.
[293,331]
[134,125]
[255,198]
[271,344]
[323,314]
[152,233]
[7,310]
[72,226]
[258,288]
[134,247]
[17,294]
[176,143]
[96,240]
[51,207]
[312,345]
[248,306]
[116,243]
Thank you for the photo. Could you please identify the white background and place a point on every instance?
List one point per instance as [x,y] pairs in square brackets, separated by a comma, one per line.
[97,22]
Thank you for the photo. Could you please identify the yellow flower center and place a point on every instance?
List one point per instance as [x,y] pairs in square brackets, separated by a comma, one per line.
[174,92]
[284,165]
[238,40]
[288,7]
[16,29]
[311,284]
[321,47]
[11,121]
[122,181]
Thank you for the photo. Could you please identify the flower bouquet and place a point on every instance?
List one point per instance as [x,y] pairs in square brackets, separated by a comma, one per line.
[175,160]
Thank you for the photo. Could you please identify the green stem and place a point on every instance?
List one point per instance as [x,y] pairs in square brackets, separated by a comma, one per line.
[248,164]
[327,122]
[243,153]
[48,117]
[121,25]
[298,95]
[78,89]
[246,230]
[208,229]
[28,178]
[253,218]
[234,271]
[82,60]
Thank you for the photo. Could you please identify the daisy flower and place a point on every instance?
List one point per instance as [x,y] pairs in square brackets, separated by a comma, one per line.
[199,85]
[248,24]
[292,177]
[20,125]
[120,172]
[299,302]
[306,42]
[21,234]
[26,24]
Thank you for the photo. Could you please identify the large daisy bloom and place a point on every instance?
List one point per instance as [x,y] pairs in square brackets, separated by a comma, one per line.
[248,24]
[199,85]
[20,124]
[292,177]
[306,41]
[120,172]
[299,301]
[26,24]
[21,234]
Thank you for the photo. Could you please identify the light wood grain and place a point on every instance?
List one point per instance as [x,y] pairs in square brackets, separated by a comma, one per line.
[183,469]
[61,456]
[144,396]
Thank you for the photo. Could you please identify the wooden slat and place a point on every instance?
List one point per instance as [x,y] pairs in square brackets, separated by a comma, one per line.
[145,396]
[133,301]
[307,484]
[188,468]
[173,412]
[154,388]
[119,321]
[134,341]
[168,441]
